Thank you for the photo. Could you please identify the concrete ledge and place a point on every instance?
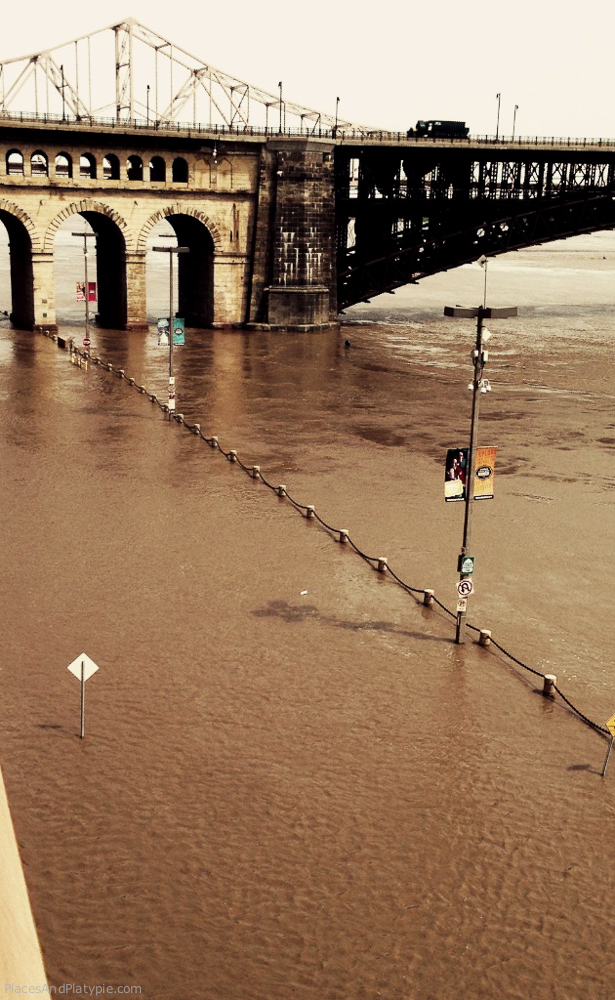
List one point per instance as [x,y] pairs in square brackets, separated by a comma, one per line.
[21,962]
[292,327]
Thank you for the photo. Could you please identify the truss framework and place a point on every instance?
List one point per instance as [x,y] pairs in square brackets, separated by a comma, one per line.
[184,87]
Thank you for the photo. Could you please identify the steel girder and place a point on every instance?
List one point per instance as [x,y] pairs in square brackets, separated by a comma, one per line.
[400,219]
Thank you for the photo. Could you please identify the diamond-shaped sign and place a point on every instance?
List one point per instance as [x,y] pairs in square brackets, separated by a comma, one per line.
[610,725]
[89,667]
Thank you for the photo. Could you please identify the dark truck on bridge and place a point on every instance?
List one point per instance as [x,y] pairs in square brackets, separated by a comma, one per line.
[439,130]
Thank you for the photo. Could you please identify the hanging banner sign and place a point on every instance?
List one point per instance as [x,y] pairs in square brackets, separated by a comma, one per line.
[179,332]
[81,291]
[92,291]
[163,332]
[455,473]
[484,473]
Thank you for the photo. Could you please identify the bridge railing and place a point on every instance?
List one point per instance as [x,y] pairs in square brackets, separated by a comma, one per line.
[340,134]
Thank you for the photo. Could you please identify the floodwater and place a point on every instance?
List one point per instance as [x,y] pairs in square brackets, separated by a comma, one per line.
[294,784]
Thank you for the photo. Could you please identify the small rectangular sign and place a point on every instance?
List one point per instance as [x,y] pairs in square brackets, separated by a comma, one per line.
[81,291]
[91,291]
[462,604]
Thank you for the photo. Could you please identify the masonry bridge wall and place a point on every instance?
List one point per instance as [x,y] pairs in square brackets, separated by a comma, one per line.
[257,215]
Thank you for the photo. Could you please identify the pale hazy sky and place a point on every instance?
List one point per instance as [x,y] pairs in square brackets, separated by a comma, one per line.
[389,62]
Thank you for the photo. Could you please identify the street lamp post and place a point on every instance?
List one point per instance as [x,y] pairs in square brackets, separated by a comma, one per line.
[147,105]
[515,119]
[498,98]
[171,251]
[63,96]
[337,105]
[478,386]
[280,86]
[85,237]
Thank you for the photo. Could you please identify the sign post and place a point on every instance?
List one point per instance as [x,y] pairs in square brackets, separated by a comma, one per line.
[478,386]
[82,668]
[610,725]
[89,288]
[171,251]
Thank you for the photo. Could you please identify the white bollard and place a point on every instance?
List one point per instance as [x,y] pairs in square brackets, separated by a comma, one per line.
[549,685]
[382,564]
[428,596]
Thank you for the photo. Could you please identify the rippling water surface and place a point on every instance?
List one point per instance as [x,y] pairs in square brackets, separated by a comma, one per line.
[293,782]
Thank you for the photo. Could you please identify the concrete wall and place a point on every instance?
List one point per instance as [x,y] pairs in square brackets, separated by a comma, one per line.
[21,963]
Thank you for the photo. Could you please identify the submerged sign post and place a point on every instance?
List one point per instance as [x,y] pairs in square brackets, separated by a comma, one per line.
[174,331]
[83,668]
[610,725]
[469,471]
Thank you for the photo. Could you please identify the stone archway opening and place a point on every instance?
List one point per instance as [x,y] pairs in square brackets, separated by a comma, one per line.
[195,271]
[106,267]
[16,272]
[193,282]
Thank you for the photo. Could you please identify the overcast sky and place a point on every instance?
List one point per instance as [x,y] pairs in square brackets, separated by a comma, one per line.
[390,63]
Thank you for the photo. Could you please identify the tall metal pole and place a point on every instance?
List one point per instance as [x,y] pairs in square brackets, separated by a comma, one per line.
[479,357]
[280,86]
[515,119]
[63,99]
[85,237]
[171,251]
[171,338]
[337,104]
[497,127]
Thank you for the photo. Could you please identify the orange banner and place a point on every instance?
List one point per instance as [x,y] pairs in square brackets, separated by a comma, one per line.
[484,473]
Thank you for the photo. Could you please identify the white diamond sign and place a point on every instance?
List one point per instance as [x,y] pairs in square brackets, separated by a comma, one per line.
[89,667]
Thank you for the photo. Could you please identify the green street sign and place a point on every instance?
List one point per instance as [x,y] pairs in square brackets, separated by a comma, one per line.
[465,565]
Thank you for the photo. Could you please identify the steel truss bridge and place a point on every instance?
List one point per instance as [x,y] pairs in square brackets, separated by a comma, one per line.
[129,73]
[412,209]
[405,207]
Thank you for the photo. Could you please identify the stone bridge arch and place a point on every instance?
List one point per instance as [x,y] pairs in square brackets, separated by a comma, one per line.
[197,231]
[25,240]
[114,241]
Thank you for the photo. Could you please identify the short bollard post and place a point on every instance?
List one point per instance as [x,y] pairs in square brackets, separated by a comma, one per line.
[549,685]
[484,638]
[382,564]
[154,398]
[131,381]
[120,372]
[256,471]
[428,596]
[214,442]
[179,417]
[232,455]
[281,490]
[343,535]
[309,510]
[196,429]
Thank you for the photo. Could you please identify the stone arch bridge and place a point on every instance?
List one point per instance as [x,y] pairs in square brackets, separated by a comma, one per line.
[285,229]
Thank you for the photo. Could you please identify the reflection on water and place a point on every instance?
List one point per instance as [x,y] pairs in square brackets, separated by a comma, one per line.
[294,784]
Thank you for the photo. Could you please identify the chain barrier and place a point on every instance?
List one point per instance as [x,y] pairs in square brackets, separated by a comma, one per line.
[379,563]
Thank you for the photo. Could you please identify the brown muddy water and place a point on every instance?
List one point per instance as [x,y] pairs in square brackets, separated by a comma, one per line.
[293,783]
